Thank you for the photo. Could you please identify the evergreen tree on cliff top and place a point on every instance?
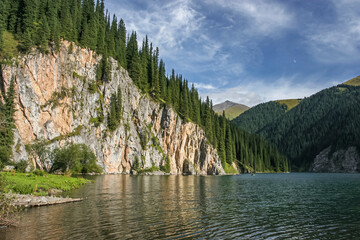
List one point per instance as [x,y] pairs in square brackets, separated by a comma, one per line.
[44,22]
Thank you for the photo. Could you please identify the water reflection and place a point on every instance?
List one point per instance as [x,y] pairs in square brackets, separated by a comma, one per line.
[271,206]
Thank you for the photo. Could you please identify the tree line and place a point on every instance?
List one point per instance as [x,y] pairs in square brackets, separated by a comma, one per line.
[43,23]
[327,118]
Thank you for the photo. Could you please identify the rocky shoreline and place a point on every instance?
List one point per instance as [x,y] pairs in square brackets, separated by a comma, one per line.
[37,201]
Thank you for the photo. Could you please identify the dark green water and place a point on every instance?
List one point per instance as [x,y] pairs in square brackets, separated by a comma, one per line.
[265,206]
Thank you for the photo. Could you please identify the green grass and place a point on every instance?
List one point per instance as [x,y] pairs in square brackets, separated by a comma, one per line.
[234,111]
[290,103]
[30,183]
[152,169]
[229,169]
[10,48]
[353,82]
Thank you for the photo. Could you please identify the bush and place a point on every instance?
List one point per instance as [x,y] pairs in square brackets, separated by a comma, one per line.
[136,164]
[76,158]
[166,166]
[38,172]
[8,213]
[21,166]
[4,156]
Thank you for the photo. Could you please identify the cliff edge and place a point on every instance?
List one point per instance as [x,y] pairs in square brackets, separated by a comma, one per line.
[58,101]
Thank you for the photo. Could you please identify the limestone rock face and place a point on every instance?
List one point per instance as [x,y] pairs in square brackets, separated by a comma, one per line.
[345,160]
[56,103]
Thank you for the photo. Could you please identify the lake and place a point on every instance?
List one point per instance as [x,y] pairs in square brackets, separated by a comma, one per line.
[265,206]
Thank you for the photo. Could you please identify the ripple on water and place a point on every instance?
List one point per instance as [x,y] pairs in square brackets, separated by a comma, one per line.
[267,206]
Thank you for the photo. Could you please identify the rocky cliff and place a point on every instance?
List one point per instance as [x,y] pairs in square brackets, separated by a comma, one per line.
[58,101]
[346,160]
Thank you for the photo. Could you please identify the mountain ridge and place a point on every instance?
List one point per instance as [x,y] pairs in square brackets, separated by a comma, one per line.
[231,109]
[326,119]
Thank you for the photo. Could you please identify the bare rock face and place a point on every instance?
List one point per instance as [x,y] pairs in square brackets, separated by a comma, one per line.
[345,160]
[57,103]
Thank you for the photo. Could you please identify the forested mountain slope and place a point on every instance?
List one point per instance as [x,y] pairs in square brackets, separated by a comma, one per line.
[98,60]
[327,122]
[259,116]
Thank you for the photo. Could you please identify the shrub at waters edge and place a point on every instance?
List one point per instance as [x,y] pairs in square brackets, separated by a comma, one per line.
[8,213]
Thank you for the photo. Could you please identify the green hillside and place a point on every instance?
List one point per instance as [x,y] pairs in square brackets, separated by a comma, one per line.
[233,111]
[259,116]
[353,82]
[290,103]
[328,118]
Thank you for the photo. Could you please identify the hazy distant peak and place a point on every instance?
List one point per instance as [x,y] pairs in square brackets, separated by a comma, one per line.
[223,106]
[231,109]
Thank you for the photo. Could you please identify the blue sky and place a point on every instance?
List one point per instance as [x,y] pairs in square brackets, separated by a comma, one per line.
[251,51]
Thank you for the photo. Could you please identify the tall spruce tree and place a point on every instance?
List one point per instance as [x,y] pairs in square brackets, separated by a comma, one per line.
[228,145]
[122,43]
[132,58]
[7,110]
[44,34]
[2,22]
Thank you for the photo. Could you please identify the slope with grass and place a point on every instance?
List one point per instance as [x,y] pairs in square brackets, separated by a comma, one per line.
[290,103]
[353,82]
[40,183]
[232,110]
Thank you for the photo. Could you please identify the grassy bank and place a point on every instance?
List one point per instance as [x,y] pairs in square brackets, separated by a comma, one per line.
[40,184]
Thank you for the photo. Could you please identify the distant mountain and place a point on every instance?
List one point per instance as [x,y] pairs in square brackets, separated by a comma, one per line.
[231,109]
[318,133]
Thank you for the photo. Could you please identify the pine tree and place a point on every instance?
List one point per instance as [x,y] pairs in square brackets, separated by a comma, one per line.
[155,64]
[85,26]
[103,70]
[207,120]
[111,34]
[132,58]
[53,22]
[112,122]
[29,23]
[29,19]
[1,37]
[122,43]
[118,106]
[184,104]
[162,80]
[228,145]
[101,30]
[66,22]
[27,41]
[44,34]
[3,15]
[7,111]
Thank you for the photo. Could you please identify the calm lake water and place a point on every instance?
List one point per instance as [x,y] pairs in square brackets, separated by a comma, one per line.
[265,206]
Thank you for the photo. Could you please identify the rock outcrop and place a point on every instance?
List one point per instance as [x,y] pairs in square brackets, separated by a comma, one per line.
[58,101]
[341,161]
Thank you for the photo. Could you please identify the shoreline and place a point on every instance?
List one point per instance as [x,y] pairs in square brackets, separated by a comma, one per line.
[28,201]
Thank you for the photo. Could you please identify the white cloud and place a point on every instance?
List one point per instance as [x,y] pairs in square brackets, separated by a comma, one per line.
[180,32]
[168,25]
[256,91]
[337,42]
[204,86]
[264,17]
